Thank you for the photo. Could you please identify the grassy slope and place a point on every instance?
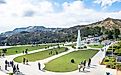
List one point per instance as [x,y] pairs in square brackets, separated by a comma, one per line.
[39,55]
[12,50]
[63,63]
[96,46]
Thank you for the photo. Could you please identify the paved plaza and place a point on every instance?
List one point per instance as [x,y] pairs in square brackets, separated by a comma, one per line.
[32,68]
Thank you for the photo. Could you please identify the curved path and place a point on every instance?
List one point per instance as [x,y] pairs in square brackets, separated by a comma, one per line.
[32,68]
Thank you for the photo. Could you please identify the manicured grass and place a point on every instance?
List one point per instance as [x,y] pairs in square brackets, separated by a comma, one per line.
[96,46]
[71,44]
[40,55]
[20,49]
[63,63]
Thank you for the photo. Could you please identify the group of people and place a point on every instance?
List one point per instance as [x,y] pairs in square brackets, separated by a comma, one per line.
[8,64]
[53,53]
[16,69]
[2,55]
[11,64]
[25,51]
[25,61]
[82,65]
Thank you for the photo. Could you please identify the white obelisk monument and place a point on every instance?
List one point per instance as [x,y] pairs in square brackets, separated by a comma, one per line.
[78,40]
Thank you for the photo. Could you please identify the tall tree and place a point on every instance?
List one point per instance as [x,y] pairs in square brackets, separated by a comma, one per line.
[116,33]
[110,34]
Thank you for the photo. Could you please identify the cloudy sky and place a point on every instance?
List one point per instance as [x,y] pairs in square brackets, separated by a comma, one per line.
[55,13]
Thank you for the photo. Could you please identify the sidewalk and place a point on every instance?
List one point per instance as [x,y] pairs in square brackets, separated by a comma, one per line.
[2,73]
[32,68]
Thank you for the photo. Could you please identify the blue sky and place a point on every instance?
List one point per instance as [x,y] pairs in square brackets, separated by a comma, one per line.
[55,13]
[116,6]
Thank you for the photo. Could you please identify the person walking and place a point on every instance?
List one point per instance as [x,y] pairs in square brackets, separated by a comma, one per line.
[0,67]
[23,51]
[89,62]
[24,60]
[14,69]
[84,65]
[79,67]
[12,63]
[5,66]
[39,65]
[17,67]
[6,62]
[27,61]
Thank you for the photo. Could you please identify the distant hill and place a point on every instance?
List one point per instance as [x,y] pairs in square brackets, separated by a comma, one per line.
[41,34]
[108,23]
[29,29]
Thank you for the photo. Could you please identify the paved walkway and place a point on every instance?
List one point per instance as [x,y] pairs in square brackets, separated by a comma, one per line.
[11,57]
[2,47]
[2,73]
[32,68]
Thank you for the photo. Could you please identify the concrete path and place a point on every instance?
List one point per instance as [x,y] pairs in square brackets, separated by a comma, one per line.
[32,68]
[11,57]
[2,47]
[96,68]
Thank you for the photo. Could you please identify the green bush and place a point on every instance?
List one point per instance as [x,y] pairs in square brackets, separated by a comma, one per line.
[72,61]
[113,67]
[95,45]
[73,47]
[85,46]
[106,60]
[10,73]
[108,66]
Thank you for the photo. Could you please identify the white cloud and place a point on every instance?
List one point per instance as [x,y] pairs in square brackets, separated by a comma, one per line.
[105,3]
[12,14]
[18,7]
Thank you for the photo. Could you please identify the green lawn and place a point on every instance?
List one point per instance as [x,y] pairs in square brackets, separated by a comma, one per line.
[12,50]
[71,44]
[63,63]
[96,46]
[40,55]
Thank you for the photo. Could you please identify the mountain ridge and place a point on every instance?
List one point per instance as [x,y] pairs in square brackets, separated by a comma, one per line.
[109,23]
[28,29]
[41,34]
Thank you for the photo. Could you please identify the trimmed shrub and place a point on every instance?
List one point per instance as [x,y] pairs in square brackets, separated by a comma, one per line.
[108,66]
[85,46]
[72,61]
[106,60]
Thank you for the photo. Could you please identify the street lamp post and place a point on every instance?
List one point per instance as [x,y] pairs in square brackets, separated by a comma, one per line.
[1,53]
[116,65]
[112,49]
